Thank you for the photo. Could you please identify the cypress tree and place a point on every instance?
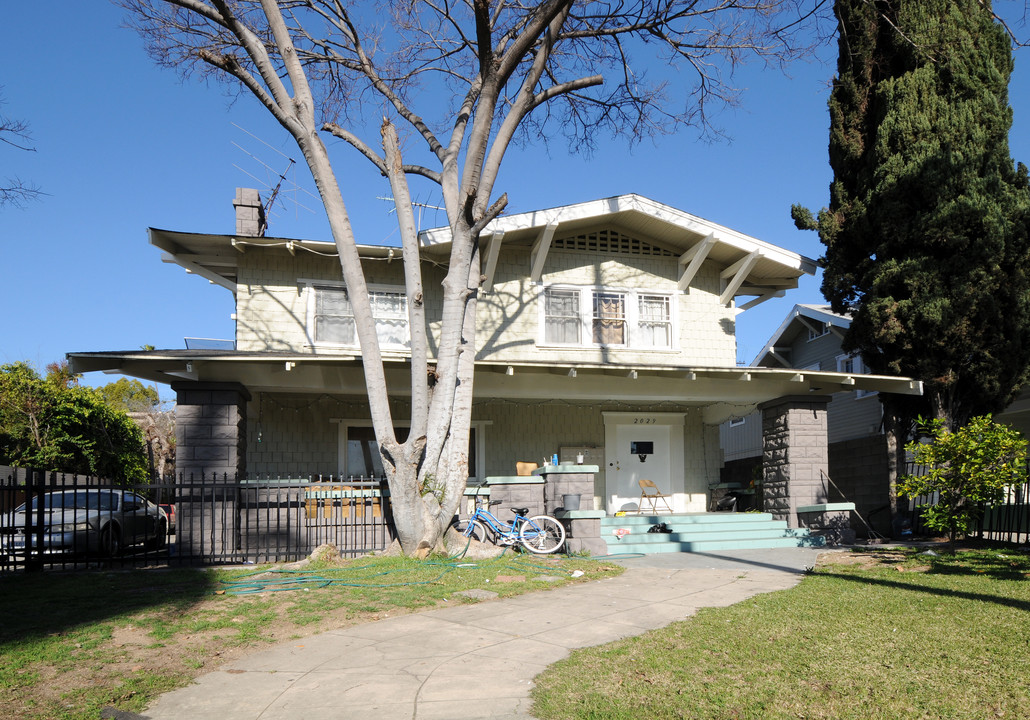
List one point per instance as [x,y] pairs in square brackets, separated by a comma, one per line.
[926,233]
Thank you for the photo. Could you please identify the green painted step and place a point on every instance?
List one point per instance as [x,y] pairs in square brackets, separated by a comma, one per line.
[713,545]
[703,532]
[685,519]
[676,527]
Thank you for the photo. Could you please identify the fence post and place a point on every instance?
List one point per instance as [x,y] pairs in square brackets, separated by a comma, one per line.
[34,490]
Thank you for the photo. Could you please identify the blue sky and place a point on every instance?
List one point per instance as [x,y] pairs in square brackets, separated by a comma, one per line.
[123,146]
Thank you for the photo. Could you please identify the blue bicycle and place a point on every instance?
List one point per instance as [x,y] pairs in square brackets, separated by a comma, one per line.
[539,534]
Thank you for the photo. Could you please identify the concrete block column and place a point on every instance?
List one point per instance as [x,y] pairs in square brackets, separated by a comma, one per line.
[211,459]
[794,451]
[210,428]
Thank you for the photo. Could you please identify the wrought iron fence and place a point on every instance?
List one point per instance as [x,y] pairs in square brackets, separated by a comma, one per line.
[1008,521]
[65,521]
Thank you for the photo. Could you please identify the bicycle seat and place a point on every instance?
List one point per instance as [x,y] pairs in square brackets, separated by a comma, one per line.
[520,511]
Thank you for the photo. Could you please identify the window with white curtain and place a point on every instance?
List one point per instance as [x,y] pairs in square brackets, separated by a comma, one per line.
[331,316]
[561,317]
[654,321]
[587,316]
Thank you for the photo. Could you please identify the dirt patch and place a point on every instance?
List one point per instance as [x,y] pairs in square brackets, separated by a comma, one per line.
[865,559]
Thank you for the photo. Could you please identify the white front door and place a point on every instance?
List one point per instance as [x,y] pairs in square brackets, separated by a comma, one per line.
[642,445]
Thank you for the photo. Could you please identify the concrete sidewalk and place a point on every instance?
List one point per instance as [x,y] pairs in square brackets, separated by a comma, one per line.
[473,661]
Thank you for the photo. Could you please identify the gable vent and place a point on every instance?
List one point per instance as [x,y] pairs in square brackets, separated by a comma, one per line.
[609,242]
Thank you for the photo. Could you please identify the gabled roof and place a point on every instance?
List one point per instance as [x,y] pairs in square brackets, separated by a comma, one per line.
[802,318]
[747,266]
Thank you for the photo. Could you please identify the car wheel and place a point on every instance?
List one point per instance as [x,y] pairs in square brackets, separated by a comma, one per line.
[110,541]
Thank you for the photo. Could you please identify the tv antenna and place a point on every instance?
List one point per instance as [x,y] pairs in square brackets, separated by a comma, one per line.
[285,184]
[421,207]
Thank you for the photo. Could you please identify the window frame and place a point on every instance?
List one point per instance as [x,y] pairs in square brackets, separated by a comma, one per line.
[311,290]
[824,326]
[477,440]
[858,368]
[631,317]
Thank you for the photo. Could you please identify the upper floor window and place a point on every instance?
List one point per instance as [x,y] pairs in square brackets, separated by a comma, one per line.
[818,330]
[603,317]
[331,316]
[853,365]
[655,321]
[561,313]
[609,320]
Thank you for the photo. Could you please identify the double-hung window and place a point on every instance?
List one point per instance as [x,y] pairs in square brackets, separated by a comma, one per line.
[331,316]
[561,317]
[654,320]
[603,317]
[609,318]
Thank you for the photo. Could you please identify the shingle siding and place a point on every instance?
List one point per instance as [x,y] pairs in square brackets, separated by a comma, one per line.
[271,305]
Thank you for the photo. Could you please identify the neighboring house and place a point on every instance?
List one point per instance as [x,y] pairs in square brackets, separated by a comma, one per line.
[605,328]
[809,339]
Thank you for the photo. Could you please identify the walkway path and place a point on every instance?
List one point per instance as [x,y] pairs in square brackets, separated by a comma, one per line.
[473,661]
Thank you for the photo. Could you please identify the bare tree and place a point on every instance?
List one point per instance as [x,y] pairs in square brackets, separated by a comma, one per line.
[14,191]
[464,79]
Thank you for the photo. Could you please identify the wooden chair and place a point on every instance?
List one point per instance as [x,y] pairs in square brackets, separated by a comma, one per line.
[650,493]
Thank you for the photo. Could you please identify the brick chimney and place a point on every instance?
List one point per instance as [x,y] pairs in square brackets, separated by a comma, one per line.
[250,216]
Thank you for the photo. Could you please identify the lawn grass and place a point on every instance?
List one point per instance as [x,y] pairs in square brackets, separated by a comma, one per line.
[902,635]
[74,643]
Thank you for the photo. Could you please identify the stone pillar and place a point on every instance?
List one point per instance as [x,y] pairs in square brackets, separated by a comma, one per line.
[210,461]
[794,451]
[210,428]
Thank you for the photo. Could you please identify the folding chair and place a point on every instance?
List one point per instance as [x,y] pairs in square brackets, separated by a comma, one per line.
[650,493]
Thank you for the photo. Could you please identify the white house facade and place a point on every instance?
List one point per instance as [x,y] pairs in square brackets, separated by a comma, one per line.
[605,329]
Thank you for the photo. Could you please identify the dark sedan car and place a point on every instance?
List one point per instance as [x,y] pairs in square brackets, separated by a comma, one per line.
[88,520]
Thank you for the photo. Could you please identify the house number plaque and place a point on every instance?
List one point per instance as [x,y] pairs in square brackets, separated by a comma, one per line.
[644,421]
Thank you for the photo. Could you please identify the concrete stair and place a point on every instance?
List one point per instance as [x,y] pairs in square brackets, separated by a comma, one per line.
[703,532]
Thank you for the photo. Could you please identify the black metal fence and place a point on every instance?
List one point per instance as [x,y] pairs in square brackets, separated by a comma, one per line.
[63,521]
[1008,521]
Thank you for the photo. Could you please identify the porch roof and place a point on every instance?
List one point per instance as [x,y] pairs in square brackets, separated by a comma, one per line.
[722,391]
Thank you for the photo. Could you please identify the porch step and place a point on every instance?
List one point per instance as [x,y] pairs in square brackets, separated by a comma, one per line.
[702,532]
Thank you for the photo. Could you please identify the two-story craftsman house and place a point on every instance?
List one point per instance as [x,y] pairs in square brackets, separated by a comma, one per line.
[606,328]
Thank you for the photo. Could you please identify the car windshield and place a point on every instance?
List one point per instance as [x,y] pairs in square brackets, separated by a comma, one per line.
[78,500]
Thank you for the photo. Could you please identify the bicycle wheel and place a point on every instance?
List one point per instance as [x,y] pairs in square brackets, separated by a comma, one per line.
[542,534]
[477,531]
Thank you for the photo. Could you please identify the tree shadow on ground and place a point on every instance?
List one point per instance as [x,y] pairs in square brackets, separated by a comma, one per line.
[37,605]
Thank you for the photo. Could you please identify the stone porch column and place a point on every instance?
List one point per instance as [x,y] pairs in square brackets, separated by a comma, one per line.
[794,451]
[210,460]
[210,429]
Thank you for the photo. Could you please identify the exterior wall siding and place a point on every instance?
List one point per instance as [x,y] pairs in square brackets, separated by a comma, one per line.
[297,435]
[741,441]
[271,305]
